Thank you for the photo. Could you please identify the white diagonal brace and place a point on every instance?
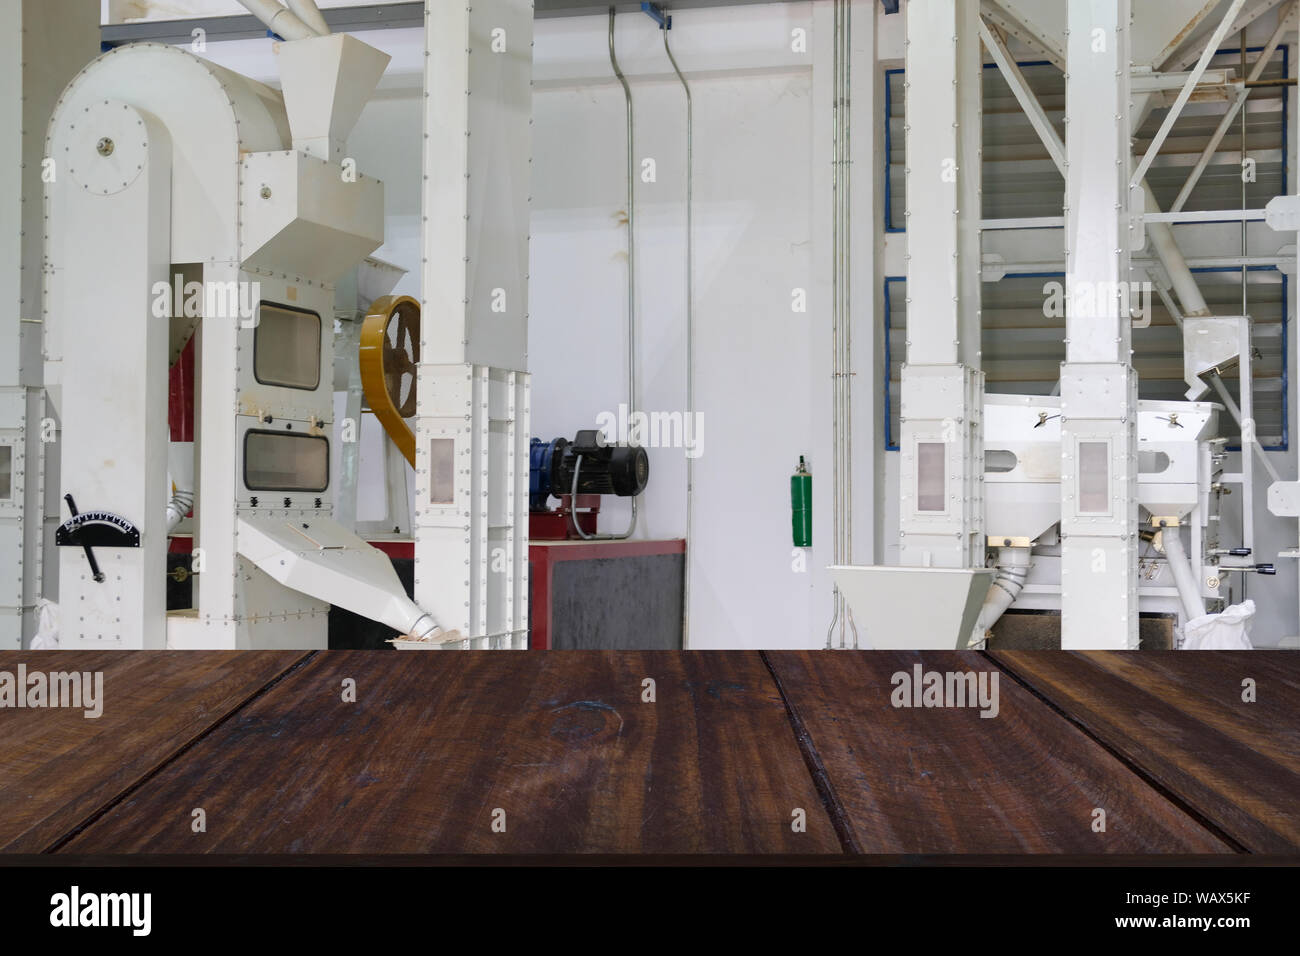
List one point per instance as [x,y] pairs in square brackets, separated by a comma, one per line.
[1248,16]
[1285,23]
[1024,95]
[1193,78]
[1038,36]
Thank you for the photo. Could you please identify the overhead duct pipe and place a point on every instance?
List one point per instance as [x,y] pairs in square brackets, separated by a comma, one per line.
[279,20]
[1161,235]
[309,13]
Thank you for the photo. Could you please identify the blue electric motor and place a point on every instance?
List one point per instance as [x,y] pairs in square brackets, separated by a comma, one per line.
[621,470]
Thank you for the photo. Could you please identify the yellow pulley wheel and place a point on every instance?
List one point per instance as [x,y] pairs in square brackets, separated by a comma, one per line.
[390,356]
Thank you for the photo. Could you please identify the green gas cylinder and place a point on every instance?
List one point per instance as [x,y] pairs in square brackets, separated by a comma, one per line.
[801,506]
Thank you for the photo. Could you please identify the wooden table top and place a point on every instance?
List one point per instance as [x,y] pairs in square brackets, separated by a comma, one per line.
[59,770]
[1180,718]
[739,752]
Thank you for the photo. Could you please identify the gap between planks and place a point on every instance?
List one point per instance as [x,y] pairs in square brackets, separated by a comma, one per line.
[1142,773]
[189,745]
[816,769]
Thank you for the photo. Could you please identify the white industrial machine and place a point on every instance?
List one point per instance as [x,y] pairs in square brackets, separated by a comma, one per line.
[1088,502]
[187,201]
[192,211]
[205,204]
[1178,469]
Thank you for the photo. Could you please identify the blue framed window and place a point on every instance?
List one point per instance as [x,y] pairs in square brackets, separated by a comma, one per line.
[1022,349]
[1033,186]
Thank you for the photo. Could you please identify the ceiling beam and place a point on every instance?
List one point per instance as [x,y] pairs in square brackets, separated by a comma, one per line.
[381,16]
[578,8]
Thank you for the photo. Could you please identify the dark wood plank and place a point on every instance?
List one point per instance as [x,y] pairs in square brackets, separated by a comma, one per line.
[1180,718]
[57,767]
[946,780]
[435,742]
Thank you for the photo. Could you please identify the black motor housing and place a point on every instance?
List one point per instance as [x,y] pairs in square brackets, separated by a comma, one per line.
[621,470]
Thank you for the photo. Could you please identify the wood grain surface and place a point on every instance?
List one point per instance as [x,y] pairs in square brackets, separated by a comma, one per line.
[1179,716]
[58,768]
[946,780]
[435,743]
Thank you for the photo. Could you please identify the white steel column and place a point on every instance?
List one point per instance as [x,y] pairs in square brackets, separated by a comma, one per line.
[114,386]
[472,424]
[1099,603]
[43,43]
[14,528]
[942,453]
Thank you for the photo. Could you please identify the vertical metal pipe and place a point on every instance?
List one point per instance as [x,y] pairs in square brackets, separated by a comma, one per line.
[631,284]
[1243,113]
[631,226]
[841,333]
[837,291]
[1243,364]
[690,325]
[836,598]
[837,405]
[847,288]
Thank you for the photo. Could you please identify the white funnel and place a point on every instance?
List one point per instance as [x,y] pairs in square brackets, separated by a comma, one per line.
[326,82]
[914,608]
[375,279]
[324,560]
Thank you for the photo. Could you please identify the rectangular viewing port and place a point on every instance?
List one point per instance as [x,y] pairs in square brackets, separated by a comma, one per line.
[286,347]
[6,472]
[1094,477]
[442,471]
[284,461]
[931,478]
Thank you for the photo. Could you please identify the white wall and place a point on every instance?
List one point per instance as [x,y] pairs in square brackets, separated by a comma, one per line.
[759,366]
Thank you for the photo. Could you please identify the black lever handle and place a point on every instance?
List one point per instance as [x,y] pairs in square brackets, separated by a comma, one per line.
[90,555]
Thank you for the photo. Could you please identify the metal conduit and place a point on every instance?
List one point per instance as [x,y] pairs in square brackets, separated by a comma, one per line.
[841,374]
[690,326]
[631,293]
